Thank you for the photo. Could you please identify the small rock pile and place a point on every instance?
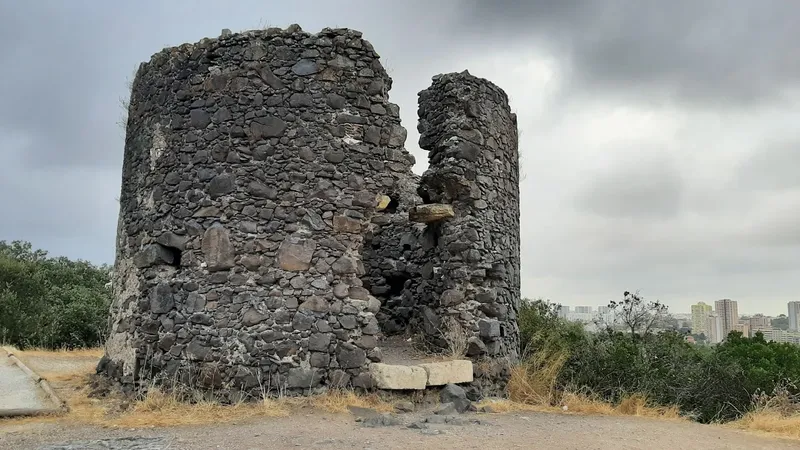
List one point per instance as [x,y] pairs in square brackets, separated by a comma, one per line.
[453,403]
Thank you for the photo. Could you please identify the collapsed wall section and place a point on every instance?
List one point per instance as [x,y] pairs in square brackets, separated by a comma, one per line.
[388,250]
[254,165]
[470,262]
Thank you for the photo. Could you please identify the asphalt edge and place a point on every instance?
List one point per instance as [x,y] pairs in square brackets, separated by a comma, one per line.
[61,405]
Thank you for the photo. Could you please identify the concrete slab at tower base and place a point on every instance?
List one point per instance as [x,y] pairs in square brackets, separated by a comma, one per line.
[418,377]
[396,377]
[442,373]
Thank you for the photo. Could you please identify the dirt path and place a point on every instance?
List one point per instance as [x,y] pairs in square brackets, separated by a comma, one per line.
[326,431]
[18,390]
[312,429]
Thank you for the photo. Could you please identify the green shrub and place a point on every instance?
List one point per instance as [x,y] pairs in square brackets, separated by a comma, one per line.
[708,383]
[50,302]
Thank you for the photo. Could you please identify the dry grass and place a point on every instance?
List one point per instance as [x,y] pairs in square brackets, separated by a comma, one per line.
[534,381]
[574,403]
[532,387]
[162,409]
[61,353]
[775,413]
[453,333]
[770,422]
[337,401]
[72,382]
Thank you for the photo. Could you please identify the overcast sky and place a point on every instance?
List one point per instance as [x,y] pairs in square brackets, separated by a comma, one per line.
[659,140]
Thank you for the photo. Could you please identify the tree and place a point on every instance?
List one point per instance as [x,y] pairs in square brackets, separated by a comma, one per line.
[637,315]
[781,322]
[50,302]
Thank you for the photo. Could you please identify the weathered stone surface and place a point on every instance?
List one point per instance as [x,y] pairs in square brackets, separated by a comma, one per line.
[446,409]
[350,356]
[344,224]
[457,396]
[315,304]
[345,265]
[162,299]
[267,127]
[305,67]
[446,372]
[383,202]
[475,347]
[451,297]
[431,213]
[489,328]
[153,255]
[302,378]
[295,254]
[218,249]
[467,127]
[221,184]
[264,217]
[382,420]
[388,376]
[253,317]
[170,239]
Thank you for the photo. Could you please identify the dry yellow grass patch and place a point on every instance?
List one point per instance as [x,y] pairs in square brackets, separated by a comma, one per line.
[573,403]
[534,382]
[61,353]
[161,409]
[771,422]
[71,378]
[337,401]
[532,387]
[503,406]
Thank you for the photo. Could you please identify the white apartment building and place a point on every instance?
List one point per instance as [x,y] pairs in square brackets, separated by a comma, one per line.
[794,316]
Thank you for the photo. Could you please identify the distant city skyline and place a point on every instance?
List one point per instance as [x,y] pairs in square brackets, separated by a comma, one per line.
[745,309]
[710,324]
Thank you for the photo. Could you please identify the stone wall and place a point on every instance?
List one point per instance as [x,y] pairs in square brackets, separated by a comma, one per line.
[470,267]
[269,232]
[254,166]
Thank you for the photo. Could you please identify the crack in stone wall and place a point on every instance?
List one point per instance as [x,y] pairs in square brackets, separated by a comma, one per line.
[264,240]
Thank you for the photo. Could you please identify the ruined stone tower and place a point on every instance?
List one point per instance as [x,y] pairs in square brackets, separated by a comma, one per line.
[264,216]
[471,271]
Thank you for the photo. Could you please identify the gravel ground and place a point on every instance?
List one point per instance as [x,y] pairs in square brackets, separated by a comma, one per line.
[18,390]
[327,431]
[58,364]
[318,430]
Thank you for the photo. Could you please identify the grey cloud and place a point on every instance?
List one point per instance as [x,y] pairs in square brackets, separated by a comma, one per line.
[773,228]
[773,166]
[58,78]
[651,189]
[645,224]
[724,52]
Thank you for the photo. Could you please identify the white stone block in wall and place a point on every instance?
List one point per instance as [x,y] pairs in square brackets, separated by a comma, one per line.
[446,372]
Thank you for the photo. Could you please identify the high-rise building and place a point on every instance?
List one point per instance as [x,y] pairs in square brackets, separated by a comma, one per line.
[760,322]
[583,309]
[728,310]
[743,328]
[715,328]
[794,316]
[700,313]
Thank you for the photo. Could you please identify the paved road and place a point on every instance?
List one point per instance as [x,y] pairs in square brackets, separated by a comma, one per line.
[18,390]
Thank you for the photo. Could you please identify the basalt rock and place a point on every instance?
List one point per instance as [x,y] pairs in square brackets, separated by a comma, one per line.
[271,231]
